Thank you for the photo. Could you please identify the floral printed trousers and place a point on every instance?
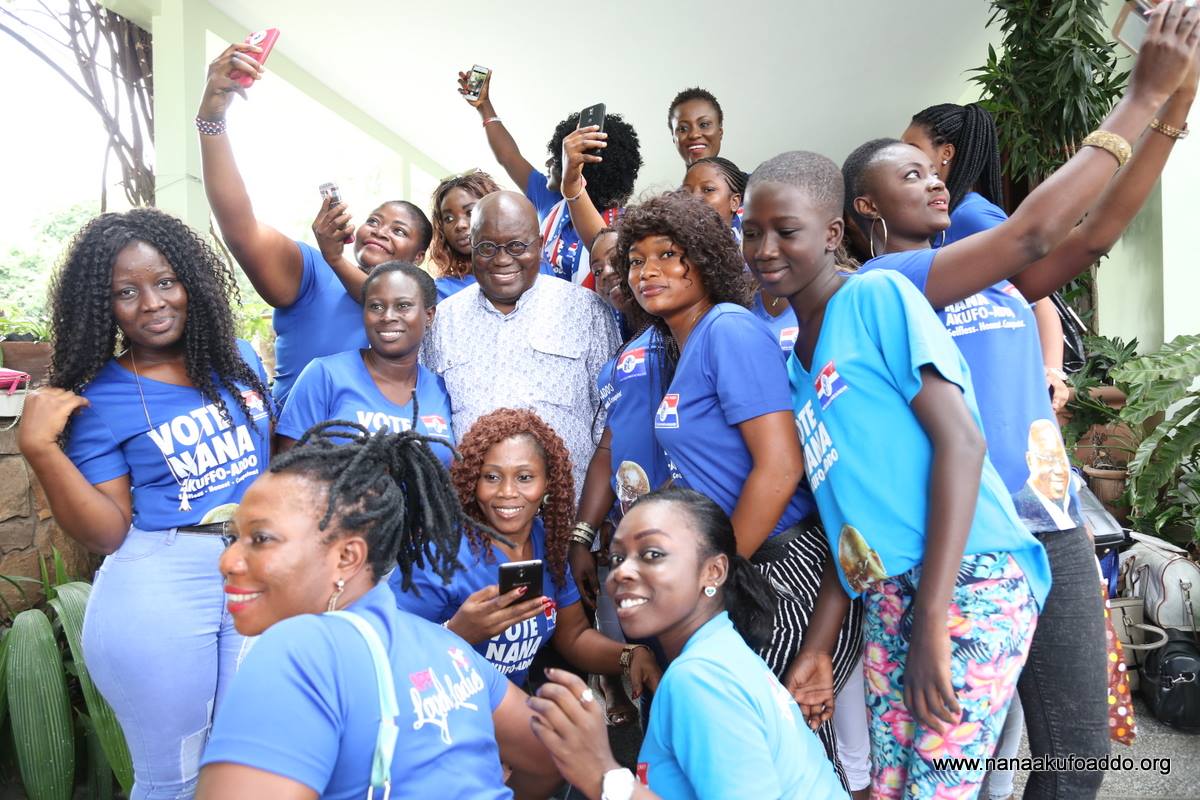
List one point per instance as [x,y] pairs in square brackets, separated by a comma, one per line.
[991,620]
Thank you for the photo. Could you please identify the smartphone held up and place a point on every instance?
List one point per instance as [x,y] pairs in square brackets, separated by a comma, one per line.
[331,191]
[515,574]
[475,80]
[266,40]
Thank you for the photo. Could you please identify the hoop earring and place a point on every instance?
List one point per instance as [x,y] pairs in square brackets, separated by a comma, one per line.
[871,234]
[341,584]
[710,591]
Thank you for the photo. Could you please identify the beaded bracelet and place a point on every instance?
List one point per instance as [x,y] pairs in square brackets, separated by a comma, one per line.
[579,194]
[1169,130]
[210,128]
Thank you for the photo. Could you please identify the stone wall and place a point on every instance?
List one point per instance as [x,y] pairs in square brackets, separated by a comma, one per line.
[27,529]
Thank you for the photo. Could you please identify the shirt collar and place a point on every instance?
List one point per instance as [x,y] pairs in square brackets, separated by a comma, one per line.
[525,299]
[714,626]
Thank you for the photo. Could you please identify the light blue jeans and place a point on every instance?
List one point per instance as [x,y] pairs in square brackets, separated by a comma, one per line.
[161,648]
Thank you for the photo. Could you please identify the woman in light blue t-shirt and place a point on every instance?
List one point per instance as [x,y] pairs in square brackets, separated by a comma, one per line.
[382,387]
[329,705]
[721,725]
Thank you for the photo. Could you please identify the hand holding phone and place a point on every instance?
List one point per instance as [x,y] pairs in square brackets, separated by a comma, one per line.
[476,78]
[1132,24]
[330,190]
[264,39]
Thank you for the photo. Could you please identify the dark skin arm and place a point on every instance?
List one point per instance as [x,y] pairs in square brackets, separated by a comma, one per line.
[271,260]
[504,146]
[958,453]
[591,651]
[584,216]
[595,501]
[534,775]
[778,466]
[1050,212]
[95,515]
[810,675]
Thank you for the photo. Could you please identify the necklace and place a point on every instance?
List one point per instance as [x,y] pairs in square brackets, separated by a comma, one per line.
[184,505]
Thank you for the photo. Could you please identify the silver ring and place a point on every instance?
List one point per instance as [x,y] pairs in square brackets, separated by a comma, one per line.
[587,696]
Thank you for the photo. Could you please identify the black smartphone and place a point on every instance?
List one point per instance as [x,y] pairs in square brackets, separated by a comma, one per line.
[593,115]
[475,79]
[1132,24]
[522,573]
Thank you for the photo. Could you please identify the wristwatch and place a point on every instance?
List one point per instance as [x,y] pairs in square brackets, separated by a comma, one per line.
[626,659]
[617,784]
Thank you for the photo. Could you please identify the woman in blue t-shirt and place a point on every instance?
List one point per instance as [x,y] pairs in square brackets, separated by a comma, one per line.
[161,442]
[725,419]
[981,287]
[368,698]
[450,249]
[514,474]
[722,725]
[315,290]
[381,387]
[920,522]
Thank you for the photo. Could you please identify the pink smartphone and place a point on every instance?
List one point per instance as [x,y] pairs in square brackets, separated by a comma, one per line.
[264,39]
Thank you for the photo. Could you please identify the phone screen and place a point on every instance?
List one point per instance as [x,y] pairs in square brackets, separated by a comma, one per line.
[475,80]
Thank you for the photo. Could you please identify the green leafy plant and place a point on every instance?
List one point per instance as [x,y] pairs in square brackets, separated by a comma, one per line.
[26,328]
[1164,473]
[1104,355]
[48,702]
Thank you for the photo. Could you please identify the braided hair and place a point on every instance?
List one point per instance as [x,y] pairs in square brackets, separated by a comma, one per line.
[609,183]
[390,487]
[446,260]
[558,512]
[972,131]
[734,177]
[84,330]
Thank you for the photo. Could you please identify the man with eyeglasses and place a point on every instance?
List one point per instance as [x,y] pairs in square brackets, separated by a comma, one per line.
[521,338]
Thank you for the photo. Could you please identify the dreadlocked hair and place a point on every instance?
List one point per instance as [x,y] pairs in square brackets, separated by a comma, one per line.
[972,131]
[705,244]
[388,487]
[448,262]
[84,330]
[854,176]
[557,513]
[734,177]
[609,183]
[694,93]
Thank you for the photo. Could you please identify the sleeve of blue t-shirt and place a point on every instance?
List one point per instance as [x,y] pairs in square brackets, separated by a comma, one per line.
[497,684]
[308,402]
[747,366]
[907,332]
[542,198]
[309,255]
[282,712]
[912,264]
[427,597]
[729,759]
[93,449]
[975,214]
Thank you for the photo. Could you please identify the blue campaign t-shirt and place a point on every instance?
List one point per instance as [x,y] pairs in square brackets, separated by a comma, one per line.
[305,705]
[188,441]
[867,456]
[784,327]
[723,726]
[630,393]
[512,651]
[323,320]
[340,387]
[449,285]
[564,254]
[974,213]
[997,334]
[731,370]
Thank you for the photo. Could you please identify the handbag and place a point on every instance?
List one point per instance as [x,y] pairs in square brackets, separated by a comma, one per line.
[1074,355]
[1167,581]
[1121,680]
[1171,682]
[1127,615]
[13,386]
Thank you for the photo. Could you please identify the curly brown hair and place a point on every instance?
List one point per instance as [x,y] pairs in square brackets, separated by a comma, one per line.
[557,513]
[446,262]
[706,244]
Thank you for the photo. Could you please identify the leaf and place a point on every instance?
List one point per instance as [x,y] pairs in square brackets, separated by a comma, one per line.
[40,709]
[3,682]
[47,587]
[1151,398]
[69,606]
[1152,475]
[60,568]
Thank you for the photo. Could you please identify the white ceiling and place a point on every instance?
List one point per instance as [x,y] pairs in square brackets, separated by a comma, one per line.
[790,75]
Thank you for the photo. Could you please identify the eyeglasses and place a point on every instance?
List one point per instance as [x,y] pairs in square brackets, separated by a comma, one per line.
[515,248]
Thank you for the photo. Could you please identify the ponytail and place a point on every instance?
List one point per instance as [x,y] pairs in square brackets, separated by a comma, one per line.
[972,131]
[750,601]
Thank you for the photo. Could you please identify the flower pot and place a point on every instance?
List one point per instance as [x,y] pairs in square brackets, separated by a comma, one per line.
[31,357]
[1109,487]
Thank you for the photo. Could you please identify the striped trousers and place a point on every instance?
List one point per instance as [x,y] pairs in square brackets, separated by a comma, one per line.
[796,578]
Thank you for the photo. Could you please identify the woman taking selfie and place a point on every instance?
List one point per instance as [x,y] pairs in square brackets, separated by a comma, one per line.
[514,474]
[315,292]
[381,387]
[721,725]
[315,710]
[450,250]
[161,440]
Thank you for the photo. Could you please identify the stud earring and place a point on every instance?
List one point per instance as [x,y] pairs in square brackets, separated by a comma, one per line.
[945,161]
[337,592]
[710,591]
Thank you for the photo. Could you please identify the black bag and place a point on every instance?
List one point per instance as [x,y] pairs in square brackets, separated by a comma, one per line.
[1073,328]
[1171,681]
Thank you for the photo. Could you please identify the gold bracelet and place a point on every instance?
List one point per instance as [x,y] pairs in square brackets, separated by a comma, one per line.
[1169,130]
[1110,142]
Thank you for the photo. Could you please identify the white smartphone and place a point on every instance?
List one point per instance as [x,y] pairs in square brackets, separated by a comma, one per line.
[1132,24]
[475,81]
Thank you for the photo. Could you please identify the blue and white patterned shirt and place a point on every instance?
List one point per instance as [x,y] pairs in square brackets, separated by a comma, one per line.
[544,355]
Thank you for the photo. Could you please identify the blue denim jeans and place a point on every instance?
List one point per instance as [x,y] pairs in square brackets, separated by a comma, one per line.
[161,648]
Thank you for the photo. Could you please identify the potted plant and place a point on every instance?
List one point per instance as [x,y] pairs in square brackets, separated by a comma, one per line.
[1164,472]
